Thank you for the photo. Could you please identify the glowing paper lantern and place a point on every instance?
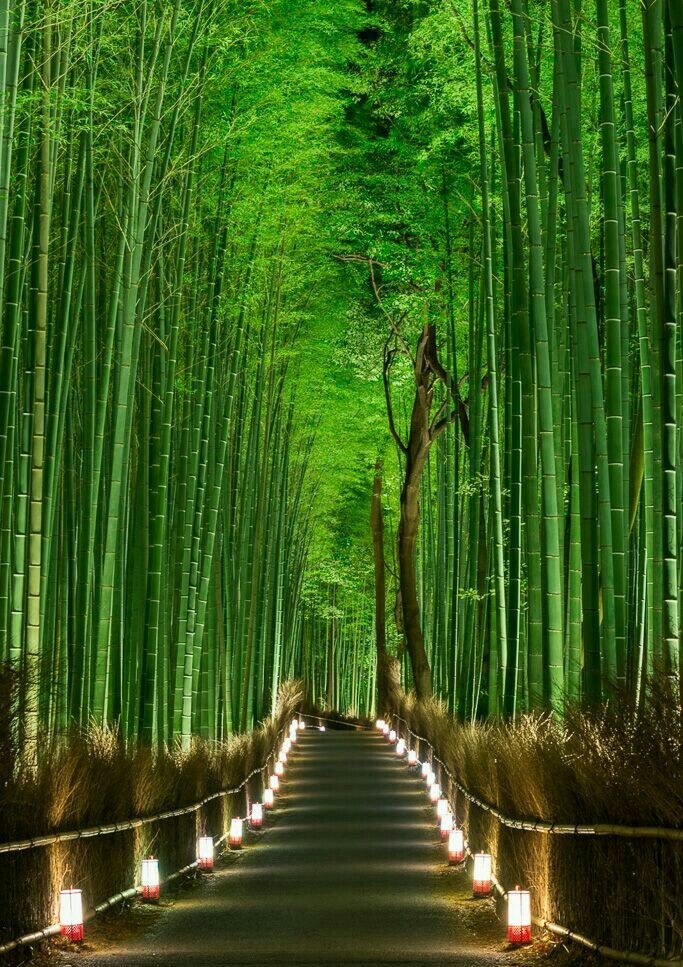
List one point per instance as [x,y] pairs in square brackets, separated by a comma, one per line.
[256,818]
[434,792]
[235,837]
[286,746]
[293,733]
[282,755]
[412,757]
[268,798]
[321,728]
[401,747]
[294,724]
[442,807]
[71,915]
[426,769]
[519,916]
[150,878]
[430,778]
[385,729]
[274,782]
[205,852]
[379,724]
[481,880]
[456,846]
[392,735]
[302,724]
[279,769]
[446,824]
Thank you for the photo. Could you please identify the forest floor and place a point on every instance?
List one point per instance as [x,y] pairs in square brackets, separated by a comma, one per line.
[349,870]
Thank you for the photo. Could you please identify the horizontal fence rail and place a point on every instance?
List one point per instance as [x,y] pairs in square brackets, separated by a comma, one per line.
[54,929]
[609,953]
[49,839]
[558,829]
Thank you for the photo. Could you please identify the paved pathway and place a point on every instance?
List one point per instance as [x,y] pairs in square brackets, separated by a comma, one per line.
[348,872]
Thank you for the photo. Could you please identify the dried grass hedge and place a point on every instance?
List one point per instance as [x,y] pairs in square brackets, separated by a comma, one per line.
[618,764]
[93,778]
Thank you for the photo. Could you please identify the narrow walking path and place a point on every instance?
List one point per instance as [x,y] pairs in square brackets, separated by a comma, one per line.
[349,872]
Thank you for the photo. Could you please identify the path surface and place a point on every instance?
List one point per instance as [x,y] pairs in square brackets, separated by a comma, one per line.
[348,872]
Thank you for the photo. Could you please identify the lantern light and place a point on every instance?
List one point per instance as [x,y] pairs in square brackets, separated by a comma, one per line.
[256,819]
[286,746]
[302,724]
[446,824]
[293,734]
[430,778]
[434,792]
[385,729]
[150,878]
[519,916]
[205,852]
[442,807]
[294,724]
[426,769]
[456,846]
[268,798]
[279,769]
[401,747]
[71,914]
[235,837]
[481,880]
[379,724]
[282,755]
[412,757]
[274,783]
[321,728]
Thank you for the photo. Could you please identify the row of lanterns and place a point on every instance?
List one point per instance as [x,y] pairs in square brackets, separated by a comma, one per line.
[71,901]
[519,901]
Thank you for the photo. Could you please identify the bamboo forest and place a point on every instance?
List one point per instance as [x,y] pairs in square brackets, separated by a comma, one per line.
[341,382]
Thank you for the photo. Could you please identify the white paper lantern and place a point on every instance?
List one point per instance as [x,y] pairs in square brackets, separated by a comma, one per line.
[235,837]
[256,818]
[205,852]
[481,879]
[268,798]
[456,846]
[150,878]
[519,916]
[71,914]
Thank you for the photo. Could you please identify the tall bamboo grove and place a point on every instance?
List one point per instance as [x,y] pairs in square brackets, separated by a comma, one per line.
[151,538]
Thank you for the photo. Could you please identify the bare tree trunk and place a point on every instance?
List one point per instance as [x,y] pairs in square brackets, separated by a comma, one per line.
[407,538]
[388,668]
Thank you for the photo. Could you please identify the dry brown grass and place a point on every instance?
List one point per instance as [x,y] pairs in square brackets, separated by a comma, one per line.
[618,765]
[93,778]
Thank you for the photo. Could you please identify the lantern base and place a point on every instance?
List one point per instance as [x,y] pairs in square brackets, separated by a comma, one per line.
[206,866]
[256,825]
[235,844]
[519,935]
[150,893]
[481,888]
[445,834]
[73,932]
[455,859]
